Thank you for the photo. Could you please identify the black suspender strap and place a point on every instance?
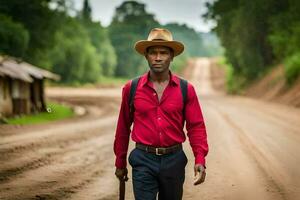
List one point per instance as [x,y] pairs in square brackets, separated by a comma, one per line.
[184,88]
[133,87]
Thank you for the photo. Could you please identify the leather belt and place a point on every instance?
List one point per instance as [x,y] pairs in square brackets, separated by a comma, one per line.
[159,150]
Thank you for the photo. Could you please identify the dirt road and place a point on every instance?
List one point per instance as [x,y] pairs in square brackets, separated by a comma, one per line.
[254,149]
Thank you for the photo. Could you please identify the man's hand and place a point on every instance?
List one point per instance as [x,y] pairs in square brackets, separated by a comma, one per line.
[199,174]
[122,174]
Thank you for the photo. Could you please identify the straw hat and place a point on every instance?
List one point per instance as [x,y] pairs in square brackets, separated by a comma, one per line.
[159,37]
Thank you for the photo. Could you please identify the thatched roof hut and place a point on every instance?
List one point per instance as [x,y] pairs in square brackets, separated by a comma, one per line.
[22,87]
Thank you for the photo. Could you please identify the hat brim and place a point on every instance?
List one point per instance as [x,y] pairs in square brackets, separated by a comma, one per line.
[142,45]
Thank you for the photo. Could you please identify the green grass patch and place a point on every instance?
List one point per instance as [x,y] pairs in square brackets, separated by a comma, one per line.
[55,112]
[292,68]
[102,81]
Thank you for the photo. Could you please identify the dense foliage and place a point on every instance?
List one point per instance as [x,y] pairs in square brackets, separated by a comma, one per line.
[130,23]
[12,43]
[258,34]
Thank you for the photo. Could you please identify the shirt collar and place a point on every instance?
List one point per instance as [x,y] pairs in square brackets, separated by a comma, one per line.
[145,78]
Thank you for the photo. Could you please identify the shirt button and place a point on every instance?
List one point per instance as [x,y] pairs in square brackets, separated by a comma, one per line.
[154,94]
[159,118]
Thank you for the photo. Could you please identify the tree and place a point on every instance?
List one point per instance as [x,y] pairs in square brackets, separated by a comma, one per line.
[13,37]
[131,22]
[285,37]
[257,34]
[74,57]
[243,29]
[39,20]
[86,11]
[100,40]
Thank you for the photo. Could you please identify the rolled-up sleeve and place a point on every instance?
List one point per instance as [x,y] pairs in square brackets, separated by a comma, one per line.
[195,126]
[123,130]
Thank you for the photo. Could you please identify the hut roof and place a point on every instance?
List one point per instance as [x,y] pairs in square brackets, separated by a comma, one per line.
[12,69]
[23,71]
[38,72]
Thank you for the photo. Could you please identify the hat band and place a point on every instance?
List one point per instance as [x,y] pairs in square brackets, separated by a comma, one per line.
[159,40]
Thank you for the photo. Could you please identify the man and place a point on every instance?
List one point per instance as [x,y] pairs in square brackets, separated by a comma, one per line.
[158,161]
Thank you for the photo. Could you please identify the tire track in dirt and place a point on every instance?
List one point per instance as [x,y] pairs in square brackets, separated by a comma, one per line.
[9,144]
[275,112]
[51,148]
[81,163]
[257,156]
[232,174]
[51,151]
[271,145]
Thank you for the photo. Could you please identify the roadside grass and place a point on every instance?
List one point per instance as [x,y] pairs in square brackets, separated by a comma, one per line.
[292,68]
[54,112]
[111,81]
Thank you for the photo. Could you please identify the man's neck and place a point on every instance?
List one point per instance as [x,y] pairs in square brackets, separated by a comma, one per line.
[161,77]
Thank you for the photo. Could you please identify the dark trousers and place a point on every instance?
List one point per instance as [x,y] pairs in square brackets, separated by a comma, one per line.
[157,174]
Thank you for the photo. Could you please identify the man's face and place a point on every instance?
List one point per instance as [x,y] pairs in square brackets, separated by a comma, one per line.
[159,58]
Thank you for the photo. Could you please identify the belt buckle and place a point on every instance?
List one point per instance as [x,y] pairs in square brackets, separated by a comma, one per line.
[157,153]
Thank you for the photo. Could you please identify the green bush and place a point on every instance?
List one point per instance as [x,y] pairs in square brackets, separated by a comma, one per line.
[234,81]
[74,57]
[292,68]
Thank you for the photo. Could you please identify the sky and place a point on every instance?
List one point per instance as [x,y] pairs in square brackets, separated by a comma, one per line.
[165,11]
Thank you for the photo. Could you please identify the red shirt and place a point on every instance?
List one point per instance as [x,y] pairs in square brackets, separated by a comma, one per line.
[160,124]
